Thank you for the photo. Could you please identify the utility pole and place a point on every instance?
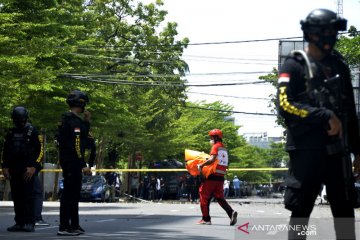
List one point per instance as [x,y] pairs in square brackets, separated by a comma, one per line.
[339,8]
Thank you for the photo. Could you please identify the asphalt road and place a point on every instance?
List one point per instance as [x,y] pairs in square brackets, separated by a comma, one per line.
[258,219]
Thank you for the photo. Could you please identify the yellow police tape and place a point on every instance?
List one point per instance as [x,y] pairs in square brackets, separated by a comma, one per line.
[171,170]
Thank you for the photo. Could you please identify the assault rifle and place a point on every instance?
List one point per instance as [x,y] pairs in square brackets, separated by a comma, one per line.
[331,97]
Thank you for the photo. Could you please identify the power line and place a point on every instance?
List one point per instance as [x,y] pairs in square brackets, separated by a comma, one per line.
[119,75]
[242,63]
[124,82]
[218,80]
[175,60]
[170,61]
[227,73]
[129,60]
[225,84]
[230,111]
[163,75]
[157,52]
[243,41]
[198,44]
[240,97]
[229,58]
[153,84]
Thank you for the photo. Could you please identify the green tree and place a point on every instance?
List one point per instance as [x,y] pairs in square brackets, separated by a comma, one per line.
[272,79]
[145,66]
[349,47]
[191,130]
[36,41]
[251,157]
[277,158]
[51,47]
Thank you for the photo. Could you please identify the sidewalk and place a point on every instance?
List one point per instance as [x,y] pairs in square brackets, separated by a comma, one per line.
[248,200]
[256,199]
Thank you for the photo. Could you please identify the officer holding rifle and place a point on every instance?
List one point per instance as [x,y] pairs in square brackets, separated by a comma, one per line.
[316,100]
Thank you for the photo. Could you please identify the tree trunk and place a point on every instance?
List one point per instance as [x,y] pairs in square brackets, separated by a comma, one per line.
[100,156]
[56,182]
[6,190]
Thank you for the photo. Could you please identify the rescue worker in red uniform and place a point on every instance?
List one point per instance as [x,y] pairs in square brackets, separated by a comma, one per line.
[213,185]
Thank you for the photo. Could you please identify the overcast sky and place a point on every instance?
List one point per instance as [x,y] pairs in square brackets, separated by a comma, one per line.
[209,21]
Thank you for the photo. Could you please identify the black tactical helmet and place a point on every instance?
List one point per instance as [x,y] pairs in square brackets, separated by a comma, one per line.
[77,98]
[319,21]
[20,116]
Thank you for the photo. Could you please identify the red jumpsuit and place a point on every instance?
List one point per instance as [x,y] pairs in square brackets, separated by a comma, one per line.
[213,185]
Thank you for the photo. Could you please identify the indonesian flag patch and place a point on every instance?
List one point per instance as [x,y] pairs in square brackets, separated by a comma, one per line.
[284,78]
[77,130]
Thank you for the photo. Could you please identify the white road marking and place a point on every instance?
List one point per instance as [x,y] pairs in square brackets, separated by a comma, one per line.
[106,220]
[43,228]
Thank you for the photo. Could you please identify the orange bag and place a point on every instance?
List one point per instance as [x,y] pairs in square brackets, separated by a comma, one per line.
[193,158]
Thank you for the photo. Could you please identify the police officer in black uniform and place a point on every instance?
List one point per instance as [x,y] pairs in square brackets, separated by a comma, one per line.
[317,102]
[72,136]
[22,155]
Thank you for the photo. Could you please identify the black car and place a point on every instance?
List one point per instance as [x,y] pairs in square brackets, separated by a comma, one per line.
[95,188]
[172,180]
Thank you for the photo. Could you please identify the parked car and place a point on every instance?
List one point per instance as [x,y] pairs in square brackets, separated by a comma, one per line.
[245,189]
[172,180]
[61,187]
[94,188]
